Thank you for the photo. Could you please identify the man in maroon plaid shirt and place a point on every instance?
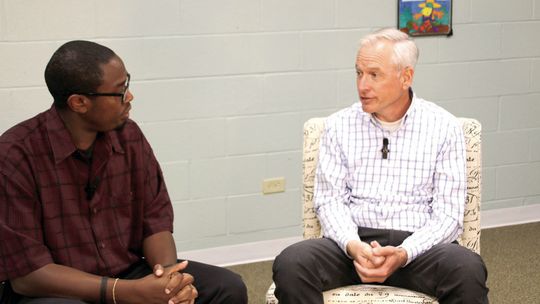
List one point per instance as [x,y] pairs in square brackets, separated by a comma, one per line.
[84,211]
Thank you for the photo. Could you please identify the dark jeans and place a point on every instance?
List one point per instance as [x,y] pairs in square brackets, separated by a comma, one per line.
[450,272]
[215,285]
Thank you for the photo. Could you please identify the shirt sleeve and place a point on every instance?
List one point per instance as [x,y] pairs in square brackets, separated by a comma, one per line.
[22,248]
[331,193]
[450,187]
[158,213]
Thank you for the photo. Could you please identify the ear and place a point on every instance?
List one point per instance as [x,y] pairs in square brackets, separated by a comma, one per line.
[78,103]
[407,77]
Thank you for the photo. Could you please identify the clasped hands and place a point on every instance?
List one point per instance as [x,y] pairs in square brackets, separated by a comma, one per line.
[375,263]
[179,285]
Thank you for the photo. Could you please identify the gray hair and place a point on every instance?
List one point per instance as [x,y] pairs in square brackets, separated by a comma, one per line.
[405,50]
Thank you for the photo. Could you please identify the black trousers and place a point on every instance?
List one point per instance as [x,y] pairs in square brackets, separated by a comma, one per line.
[215,285]
[450,272]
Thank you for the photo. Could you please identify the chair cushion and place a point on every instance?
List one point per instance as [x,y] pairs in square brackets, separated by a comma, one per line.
[364,293]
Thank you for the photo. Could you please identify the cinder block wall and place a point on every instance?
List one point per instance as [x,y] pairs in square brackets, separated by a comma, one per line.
[222,89]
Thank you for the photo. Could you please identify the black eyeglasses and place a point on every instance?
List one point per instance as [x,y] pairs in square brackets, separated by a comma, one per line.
[123,94]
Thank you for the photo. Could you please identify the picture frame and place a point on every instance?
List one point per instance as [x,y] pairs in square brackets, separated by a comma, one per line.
[425,17]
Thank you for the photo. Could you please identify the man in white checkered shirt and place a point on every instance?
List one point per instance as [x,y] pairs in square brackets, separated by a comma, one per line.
[389,191]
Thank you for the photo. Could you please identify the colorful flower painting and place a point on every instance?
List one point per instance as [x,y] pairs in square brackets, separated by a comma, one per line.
[425,17]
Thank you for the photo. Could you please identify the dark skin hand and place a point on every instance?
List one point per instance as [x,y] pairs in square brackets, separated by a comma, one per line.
[159,249]
[144,290]
[180,284]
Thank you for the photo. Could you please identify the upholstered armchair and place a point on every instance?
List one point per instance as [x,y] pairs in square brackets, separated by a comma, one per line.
[378,294]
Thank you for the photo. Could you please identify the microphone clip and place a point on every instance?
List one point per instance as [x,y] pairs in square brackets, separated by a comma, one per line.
[384,149]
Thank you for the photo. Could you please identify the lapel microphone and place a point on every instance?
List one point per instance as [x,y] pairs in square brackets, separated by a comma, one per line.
[384,149]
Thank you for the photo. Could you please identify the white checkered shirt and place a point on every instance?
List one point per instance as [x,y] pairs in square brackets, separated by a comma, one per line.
[420,187]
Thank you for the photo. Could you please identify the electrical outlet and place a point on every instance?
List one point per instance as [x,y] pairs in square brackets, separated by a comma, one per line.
[273,185]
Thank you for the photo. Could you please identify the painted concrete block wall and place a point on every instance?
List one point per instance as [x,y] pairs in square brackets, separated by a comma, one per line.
[222,89]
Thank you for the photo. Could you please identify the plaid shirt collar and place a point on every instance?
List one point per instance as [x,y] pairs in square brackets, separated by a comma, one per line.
[61,143]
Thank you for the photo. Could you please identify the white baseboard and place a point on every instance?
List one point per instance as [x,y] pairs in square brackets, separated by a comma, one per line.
[510,216]
[267,250]
[241,253]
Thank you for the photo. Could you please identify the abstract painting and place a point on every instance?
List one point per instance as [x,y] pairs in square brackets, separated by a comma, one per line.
[425,17]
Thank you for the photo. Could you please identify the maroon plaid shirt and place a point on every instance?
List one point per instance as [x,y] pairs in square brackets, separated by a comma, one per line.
[46,215]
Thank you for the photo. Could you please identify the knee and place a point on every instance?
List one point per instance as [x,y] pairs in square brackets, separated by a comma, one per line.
[462,274]
[291,262]
[221,286]
[464,264]
[288,260]
[233,289]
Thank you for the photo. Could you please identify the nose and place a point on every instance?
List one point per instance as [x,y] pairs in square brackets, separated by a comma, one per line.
[129,96]
[362,83]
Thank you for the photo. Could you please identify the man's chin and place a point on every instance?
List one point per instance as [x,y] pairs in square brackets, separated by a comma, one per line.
[121,126]
[366,108]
